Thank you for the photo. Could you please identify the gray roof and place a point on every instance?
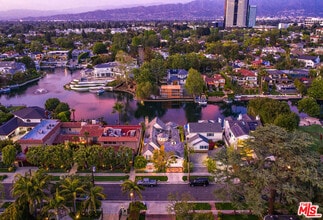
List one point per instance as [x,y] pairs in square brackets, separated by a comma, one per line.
[13,124]
[106,65]
[33,112]
[198,137]
[203,127]
[243,126]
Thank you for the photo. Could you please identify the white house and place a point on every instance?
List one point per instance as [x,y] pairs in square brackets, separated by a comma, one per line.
[198,134]
[309,61]
[106,70]
[237,130]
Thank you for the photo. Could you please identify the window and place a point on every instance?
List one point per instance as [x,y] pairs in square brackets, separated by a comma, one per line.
[204,147]
[210,134]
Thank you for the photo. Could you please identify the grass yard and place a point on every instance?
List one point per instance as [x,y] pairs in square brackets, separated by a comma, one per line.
[239,217]
[202,206]
[160,178]
[224,206]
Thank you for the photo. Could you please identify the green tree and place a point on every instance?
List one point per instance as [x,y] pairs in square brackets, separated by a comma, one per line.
[9,154]
[30,190]
[144,90]
[124,61]
[29,63]
[118,108]
[132,189]
[210,163]
[99,48]
[194,83]
[282,172]
[140,162]
[70,187]
[54,205]
[51,104]
[92,203]
[161,159]
[316,89]
[301,88]
[180,205]
[309,106]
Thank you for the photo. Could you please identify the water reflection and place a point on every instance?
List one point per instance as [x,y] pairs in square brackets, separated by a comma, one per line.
[90,106]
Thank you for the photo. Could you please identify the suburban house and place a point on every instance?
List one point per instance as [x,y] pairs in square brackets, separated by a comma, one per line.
[216,82]
[309,61]
[106,70]
[159,134]
[24,120]
[11,67]
[200,134]
[57,58]
[43,133]
[176,76]
[171,91]
[246,77]
[238,130]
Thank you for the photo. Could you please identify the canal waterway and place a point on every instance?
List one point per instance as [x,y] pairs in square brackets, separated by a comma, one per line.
[91,106]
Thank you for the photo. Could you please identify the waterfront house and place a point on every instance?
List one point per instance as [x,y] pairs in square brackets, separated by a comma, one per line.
[176,76]
[23,121]
[246,78]
[171,91]
[44,133]
[216,82]
[238,130]
[103,70]
[158,134]
[11,67]
[200,134]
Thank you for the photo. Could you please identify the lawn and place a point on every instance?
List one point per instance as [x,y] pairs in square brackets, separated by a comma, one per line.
[239,217]
[202,206]
[160,178]
[224,206]
[315,131]
[99,178]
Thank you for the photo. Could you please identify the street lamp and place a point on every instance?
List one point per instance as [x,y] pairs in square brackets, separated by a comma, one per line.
[131,196]
[93,171]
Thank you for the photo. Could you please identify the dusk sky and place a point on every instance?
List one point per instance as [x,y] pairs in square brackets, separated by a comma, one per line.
[77,4]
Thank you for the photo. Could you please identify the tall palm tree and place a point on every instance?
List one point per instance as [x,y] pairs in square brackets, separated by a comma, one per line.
[132,188]
[55,204]
[31,189]
[92,203]
[70,187]
[118,108]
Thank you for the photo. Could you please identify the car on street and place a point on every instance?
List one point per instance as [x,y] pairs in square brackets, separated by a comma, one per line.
[147,182]
[200,181]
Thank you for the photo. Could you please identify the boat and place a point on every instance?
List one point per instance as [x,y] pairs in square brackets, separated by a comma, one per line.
[201,100]
[100,91]
[5,90]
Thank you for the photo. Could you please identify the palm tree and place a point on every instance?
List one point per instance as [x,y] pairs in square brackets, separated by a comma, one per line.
[55,204]
[118,107]
[92,203]
[132,188]
[31,189]
[70,187]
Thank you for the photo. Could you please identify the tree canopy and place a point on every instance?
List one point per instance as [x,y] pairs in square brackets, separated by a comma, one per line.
[316,89]
[282,172]
[309,106]
[273,112]
[194,82]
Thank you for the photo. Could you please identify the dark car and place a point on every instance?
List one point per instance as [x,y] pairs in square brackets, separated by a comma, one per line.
[201,181]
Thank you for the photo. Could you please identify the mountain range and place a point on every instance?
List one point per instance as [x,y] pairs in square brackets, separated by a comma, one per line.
[195,10]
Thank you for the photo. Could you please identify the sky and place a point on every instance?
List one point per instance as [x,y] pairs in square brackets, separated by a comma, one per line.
[77,4]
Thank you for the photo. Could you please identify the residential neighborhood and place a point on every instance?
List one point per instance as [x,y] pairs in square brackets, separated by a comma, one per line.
[209,118]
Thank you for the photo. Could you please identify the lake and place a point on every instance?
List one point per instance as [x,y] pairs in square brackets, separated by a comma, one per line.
[91,106]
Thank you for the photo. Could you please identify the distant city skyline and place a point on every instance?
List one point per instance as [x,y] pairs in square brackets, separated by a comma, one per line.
[57,5]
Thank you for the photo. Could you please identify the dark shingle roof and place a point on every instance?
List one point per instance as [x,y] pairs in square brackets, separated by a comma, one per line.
[204,127]
[33,112]
[13,124]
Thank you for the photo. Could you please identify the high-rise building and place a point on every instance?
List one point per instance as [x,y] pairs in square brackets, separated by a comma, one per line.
[236,13]
[252,13]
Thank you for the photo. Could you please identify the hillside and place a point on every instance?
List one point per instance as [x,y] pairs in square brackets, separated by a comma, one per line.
[195,10]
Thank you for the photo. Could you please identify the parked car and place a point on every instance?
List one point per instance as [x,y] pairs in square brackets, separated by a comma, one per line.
[147,182]
[200,181]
